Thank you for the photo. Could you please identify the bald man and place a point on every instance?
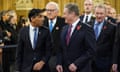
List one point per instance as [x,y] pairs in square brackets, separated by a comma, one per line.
[88,8]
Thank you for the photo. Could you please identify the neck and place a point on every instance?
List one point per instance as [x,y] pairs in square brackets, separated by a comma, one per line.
[87,13]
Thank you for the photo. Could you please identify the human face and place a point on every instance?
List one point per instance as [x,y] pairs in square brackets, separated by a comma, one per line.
[6,17]
[37,20]
[100,14]
[113,13]
[88,6]
[68,16]
[51,11]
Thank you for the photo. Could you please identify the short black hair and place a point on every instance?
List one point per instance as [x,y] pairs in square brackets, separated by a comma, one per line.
[34,12]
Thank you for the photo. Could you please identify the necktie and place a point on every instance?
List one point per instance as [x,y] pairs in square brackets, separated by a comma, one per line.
[35,38]
[51,25]
[86,19]
[96,31]
[68,35]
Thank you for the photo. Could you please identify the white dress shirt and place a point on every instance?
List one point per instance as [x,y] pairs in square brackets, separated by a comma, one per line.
[89,17]
[74,26]
[31,34]
[54,22]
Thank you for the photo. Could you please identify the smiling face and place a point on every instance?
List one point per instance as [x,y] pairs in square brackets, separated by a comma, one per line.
[37,20]
[100,14]
[69,16]
[51,11]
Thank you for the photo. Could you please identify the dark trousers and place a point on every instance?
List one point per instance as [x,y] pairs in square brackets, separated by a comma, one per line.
[5,62]
[102,65]
[52,63]
[8,59]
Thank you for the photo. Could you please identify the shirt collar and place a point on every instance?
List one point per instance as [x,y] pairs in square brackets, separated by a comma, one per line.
[54,20]
[88,15]
[75,23]
[96,22]
[32,28]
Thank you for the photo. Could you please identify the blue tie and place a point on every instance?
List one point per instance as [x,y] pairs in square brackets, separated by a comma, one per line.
[96,30]
[35,38]
[51,25]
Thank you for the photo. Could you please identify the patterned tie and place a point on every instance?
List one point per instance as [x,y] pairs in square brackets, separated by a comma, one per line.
[96,30]
[35,38]
[68,35]
[51,25]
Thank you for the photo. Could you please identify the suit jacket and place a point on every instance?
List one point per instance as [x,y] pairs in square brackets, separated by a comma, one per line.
[116,50]
[80,50]
[82,17]
[104,46]
[27,56]
[56,33]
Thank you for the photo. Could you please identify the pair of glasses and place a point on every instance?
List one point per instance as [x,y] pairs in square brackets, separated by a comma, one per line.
[51,10]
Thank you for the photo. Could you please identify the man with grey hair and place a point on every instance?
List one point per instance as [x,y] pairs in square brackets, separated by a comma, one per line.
[55,24]
[76,50]
[104,33]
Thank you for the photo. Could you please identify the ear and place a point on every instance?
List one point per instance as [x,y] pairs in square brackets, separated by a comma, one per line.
[32,18]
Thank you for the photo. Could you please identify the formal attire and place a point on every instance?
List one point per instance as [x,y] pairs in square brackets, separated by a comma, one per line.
[34,45]
[78,48]
[55,30]
[86,18]
[116,50]
[105,34]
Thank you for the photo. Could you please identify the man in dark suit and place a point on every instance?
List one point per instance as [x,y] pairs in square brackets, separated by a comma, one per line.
[57,22]
[104,32]
[34,45]
[77,43]
[88,8]
[116,51]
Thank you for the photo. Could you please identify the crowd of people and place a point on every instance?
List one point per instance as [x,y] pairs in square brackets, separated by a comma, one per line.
[74,42]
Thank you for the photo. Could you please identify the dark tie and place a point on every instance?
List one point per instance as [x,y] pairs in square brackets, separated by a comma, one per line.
[86,19]
[96,30]
[51,25]
[68,34]
[35,38]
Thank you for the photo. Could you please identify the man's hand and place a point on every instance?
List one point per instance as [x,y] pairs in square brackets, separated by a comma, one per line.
[8,34]
[59,68]
[38,66]
[72,67]
[114,68]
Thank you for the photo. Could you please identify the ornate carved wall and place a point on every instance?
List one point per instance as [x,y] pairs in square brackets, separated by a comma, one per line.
[12,4]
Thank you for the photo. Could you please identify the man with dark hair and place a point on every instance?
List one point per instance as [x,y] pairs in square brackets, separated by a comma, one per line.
[77,43]
[34,44]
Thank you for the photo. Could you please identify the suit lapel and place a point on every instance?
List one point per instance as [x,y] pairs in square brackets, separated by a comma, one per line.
[63,35]
[28,36]
[56,25]
[75,32]
[39,37]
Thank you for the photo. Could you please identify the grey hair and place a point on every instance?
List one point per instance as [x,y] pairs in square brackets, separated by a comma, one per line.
[53,3]
[72,7]
[100,6]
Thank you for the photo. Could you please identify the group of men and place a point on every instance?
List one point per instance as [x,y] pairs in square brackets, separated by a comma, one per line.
[73,43]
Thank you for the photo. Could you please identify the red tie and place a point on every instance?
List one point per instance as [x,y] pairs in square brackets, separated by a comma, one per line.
[68,35]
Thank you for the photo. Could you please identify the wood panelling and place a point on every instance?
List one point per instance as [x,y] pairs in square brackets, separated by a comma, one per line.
[11,4]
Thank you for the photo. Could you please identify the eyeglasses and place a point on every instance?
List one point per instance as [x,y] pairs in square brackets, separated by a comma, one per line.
[51,10]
